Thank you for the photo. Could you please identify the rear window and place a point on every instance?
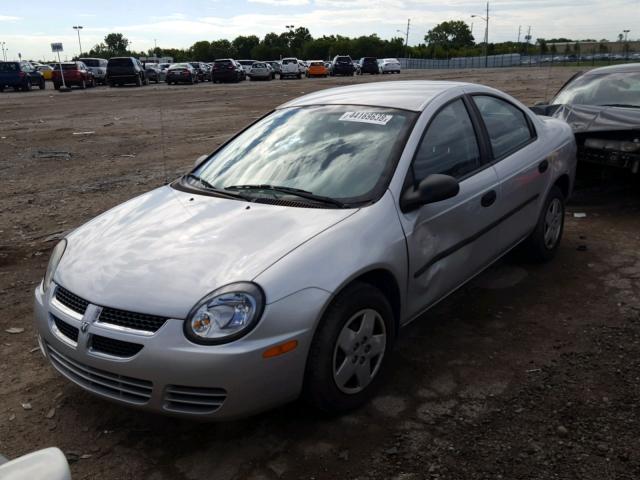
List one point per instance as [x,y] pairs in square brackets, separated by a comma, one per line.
[179,65]
[120,62]
[69,66]
[259,65]
[343,59]
[9,67]
[369,60]
[317,64]
[289,61]
[223,62]
[91,63]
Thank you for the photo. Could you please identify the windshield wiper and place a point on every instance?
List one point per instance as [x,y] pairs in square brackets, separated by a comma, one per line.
[292,191]
[208,186]
[624,105]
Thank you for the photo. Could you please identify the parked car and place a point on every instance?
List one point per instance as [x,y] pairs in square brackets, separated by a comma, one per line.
[125,70]
[152,71]
[603,108]
[45,70]
[261,71]
[368,65]
[97,66]
[290,68]
[246,65]
[75,74]
[172,303]
[389,65]
[276,66]
[342,65]
[201,70]
[182,73]
[226,70]
[20,76]
[303,67]
[317,68]
[163,70]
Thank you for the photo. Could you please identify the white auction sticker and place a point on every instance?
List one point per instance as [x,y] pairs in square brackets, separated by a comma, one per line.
[367,117]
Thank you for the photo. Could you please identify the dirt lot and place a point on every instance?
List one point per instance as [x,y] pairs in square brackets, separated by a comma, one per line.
[530,372]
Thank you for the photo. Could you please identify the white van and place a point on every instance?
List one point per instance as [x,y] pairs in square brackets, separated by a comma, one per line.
[290,68]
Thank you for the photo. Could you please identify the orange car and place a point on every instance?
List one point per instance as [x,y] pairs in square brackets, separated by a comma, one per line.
[317,69]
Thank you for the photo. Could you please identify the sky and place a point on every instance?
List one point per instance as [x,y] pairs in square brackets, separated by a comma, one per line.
[30,27]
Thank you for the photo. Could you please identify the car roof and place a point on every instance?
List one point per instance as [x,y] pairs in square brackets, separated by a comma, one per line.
[626,67]
[407,95]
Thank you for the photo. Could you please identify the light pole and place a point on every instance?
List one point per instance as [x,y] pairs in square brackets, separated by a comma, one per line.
[486,36]
[626,45]
[77,28]
[4,56]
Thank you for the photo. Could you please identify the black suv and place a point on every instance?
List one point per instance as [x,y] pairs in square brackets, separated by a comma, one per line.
[342,65]
[227,70]
[368,65]
[123,70]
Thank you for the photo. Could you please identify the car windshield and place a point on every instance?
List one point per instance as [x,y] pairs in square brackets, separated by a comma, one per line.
[621,88]
[342,152]
[69,66]
[120,62]
[91,63]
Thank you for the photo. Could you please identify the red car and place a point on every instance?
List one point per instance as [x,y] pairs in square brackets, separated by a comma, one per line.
[75,73]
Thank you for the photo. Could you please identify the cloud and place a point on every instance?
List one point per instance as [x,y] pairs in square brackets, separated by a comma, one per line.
[281,2]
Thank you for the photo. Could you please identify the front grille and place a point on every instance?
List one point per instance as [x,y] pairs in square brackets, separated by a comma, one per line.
[71,300]
[194,400]
[119,387]
[67,330]
[137,321]
[111,346]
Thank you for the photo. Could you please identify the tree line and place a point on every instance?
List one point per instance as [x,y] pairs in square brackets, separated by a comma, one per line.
[446,40]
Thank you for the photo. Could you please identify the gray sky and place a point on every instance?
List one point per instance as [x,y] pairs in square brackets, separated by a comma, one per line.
[29,27]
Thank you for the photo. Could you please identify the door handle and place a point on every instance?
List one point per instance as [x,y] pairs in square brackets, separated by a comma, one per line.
[489,198]
[543,166]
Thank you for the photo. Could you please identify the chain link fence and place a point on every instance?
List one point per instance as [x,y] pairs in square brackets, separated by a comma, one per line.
[517,60]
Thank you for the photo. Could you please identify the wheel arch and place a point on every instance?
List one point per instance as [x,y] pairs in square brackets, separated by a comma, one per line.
[563,182]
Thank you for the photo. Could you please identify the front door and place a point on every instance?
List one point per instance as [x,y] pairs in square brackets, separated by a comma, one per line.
[450,241]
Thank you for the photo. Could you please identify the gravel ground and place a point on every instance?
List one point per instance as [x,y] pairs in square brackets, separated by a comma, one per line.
[529,372]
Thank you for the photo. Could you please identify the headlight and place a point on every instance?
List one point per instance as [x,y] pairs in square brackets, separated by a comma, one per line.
[54,260]
[225,314]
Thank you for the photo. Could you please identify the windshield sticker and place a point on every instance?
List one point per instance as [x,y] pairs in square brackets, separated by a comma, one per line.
[367,117]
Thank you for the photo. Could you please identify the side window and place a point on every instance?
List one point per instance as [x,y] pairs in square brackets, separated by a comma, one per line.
[506,124]
[450,146]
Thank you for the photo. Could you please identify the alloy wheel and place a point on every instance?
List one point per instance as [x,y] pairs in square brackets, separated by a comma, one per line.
[553,223]
[359,351]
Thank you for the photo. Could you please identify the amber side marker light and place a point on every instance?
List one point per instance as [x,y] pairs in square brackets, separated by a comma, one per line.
[280,349]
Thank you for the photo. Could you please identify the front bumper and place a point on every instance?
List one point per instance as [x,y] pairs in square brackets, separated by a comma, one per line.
[172,375]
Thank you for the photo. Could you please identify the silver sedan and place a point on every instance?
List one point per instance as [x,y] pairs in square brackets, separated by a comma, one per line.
[286,261]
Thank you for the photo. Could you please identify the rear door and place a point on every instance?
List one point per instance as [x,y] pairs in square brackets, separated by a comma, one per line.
[451,240]
[522,171]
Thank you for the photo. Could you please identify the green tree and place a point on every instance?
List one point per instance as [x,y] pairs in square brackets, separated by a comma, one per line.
[222,49]
[453,35]
[202,51]
[243,45]
[116,43]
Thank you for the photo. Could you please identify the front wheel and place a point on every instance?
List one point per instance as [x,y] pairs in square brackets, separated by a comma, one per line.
[350,350]
[43,85]
[27,86]
[542,245]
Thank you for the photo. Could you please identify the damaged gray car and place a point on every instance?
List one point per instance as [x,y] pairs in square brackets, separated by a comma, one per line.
[603,108]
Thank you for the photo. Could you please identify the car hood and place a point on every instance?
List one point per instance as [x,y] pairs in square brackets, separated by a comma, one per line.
[161,252]
[588,118]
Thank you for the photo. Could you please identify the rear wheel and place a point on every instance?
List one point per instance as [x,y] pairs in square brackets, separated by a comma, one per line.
[43,85]
[138,82]
[1,88]
[27,86]
[542,245]
[56,86]
[83,85]
[350,350]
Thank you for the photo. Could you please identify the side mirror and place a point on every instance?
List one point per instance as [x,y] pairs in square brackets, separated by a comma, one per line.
[539,103]
[200,159]
[433,188]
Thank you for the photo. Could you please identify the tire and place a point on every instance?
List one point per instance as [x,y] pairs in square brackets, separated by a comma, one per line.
[146,81]
[299,76]
[1,88]
[541,246]
[56,86]
[27,86]
[83,85]
[343,322]
[42,85]
[138,82]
